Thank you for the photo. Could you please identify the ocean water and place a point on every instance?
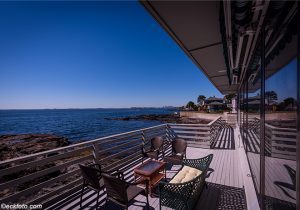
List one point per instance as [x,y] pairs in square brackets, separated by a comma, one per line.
[75,124]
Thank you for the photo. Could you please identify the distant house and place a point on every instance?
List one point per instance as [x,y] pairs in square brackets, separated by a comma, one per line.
[214,104]
[253,103]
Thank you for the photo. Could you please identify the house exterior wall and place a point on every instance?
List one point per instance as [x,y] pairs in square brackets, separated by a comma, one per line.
[271,135]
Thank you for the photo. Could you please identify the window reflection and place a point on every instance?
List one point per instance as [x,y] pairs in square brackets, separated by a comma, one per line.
[280,138]
[279,135]
[268,99]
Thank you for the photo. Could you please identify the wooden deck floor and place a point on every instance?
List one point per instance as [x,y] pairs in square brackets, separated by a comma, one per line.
[225,184]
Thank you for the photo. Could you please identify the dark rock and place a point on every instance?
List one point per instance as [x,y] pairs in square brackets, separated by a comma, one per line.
[12,146]
[164,118]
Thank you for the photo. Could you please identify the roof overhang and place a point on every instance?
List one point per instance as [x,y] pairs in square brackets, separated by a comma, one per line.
[195,27]
[223,37]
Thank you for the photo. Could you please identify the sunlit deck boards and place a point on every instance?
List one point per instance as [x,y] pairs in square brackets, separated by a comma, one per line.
[225,164]
[226,177]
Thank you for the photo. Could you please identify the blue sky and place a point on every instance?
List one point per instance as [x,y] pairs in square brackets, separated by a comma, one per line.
[98,54]
[88,55]
[284,82]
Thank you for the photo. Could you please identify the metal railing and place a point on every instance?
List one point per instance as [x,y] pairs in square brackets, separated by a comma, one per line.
[49,176]
[215,129]
[196,135]
[26,178]
[282,141]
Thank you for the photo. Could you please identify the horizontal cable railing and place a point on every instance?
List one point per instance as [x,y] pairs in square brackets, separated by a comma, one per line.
[196,135]
[51,176]
[44,177]
[282,141]
[215,129]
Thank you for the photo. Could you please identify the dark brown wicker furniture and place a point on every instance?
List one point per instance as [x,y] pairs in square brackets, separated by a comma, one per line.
[92,178]
[178,152]
[186,194]
[156,147]
[153,171]
[121,192]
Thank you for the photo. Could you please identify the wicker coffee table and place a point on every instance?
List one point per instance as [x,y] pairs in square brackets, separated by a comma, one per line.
[152,171]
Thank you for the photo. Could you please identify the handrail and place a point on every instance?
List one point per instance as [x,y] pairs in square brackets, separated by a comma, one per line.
[212,122]
[77,144]
[90,142]
[190,124]
[64,162]
[214,129]
[116,154]
[278,128]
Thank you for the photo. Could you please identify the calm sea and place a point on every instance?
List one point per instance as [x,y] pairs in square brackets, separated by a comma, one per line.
[75,124]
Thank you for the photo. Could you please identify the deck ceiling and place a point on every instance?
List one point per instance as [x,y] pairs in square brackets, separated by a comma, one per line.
[194,25]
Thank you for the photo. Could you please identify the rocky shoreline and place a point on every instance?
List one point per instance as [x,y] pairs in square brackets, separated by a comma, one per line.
[164,118]
[17,145]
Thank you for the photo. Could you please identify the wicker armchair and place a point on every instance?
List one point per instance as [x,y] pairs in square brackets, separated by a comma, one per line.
[178,152]
[185,195]
[92,179]
[121,192]
[156,147]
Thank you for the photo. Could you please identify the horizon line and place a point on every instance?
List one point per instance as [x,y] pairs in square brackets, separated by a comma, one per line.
[134,107]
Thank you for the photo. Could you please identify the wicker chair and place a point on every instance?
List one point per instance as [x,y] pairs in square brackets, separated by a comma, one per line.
[156,147]
[92,178]
[178,152]
[185,195]
[121,192]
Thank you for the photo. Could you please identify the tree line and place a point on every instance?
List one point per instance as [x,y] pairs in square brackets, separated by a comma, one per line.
[271,98]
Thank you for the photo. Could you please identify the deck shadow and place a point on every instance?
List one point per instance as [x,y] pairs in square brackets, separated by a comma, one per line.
[276,204]
[216,197]
[283,185]
[89,202]
[225,139]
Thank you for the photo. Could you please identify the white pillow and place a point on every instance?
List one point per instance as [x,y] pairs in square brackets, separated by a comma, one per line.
[185,174]
[187,178]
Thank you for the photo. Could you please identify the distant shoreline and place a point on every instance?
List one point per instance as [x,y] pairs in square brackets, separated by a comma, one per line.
[175,108]
[75,124]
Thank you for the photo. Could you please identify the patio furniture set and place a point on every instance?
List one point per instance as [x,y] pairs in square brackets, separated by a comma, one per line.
[181,192]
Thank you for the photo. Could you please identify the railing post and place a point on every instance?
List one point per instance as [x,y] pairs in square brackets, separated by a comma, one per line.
[143,137]
[210,135]
[171,133]
[168,135]
[96,153]
[214,129]
[272,140]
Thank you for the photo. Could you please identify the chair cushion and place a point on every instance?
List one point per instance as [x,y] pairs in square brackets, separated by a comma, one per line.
[186,174]
[133,191]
